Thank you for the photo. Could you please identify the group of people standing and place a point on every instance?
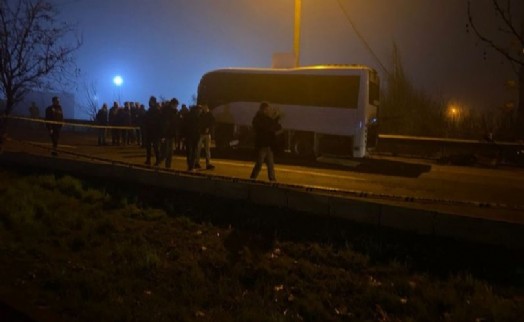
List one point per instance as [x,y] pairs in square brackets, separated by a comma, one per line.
[161,129]
[129,115]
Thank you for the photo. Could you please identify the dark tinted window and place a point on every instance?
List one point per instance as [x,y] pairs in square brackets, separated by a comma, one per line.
[309,90]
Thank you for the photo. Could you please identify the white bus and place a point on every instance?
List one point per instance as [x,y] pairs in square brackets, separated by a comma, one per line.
[323,109]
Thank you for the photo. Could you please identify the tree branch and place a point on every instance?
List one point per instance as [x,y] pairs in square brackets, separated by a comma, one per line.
[490,42]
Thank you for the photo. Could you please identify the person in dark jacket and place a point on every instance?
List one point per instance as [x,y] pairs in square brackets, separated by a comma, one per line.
[170,119]
[113,121]
[179,140]
[191,134]
[136,120]
[124,119]
[101,119]
[139,121]
[266,126]
[153,133]
[54,114]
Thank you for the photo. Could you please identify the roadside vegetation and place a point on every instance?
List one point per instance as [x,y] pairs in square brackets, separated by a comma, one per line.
[406,109]
[96,251]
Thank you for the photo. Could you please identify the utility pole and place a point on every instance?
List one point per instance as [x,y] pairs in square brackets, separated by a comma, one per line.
[296,38]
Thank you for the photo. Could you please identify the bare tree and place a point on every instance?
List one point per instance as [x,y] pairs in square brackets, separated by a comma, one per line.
[405,109]
[89,105]
[36,50]
[508,18]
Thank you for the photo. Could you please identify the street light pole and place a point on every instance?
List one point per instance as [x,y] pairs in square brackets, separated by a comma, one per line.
[296,38]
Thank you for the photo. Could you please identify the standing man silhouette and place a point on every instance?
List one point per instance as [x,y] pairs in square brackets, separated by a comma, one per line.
[266,126]
[55,117]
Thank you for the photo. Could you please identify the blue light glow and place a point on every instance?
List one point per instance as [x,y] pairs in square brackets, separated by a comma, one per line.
[118,80]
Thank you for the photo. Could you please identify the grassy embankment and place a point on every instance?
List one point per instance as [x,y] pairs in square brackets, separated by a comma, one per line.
[92,251]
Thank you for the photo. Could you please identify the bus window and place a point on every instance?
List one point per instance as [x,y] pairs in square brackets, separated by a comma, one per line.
[304,90]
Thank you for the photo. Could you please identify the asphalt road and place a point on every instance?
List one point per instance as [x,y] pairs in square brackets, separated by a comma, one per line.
[499,190]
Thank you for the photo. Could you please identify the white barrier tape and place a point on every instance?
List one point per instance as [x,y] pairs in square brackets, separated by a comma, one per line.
[93,126]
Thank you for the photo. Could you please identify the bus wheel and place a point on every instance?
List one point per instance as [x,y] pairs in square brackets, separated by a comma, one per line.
[303,146]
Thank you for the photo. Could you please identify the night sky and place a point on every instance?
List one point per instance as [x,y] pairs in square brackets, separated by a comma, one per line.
[162,47]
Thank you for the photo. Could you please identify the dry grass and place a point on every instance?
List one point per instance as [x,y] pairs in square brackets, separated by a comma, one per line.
[90,251]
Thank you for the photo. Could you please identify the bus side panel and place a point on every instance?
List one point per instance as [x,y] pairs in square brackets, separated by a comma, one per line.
[325,120]
[326,106]
[338,127]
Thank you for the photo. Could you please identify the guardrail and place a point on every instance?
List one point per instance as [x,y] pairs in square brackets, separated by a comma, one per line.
[448,150]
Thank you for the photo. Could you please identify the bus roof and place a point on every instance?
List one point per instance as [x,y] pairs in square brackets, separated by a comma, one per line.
[298,70]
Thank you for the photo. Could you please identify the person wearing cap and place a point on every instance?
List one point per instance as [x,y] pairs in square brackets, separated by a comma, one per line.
[54,117]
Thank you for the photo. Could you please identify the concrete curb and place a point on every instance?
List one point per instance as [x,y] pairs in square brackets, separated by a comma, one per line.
[297,198]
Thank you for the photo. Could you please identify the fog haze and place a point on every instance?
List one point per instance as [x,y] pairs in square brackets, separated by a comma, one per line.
[162,47]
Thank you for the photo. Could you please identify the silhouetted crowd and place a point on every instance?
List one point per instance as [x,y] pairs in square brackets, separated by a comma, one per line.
[161,129]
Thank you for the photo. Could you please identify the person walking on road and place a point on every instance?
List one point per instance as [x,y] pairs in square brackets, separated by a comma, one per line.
[266,126]
[55,116]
